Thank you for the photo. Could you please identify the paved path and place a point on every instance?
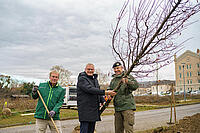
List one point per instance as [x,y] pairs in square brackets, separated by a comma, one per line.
[144,120]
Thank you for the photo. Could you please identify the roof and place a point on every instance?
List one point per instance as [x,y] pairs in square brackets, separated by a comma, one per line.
[187,53]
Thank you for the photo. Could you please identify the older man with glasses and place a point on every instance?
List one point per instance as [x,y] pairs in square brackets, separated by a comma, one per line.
[89,98]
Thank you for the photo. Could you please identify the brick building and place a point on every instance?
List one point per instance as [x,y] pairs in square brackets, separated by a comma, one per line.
[187,71]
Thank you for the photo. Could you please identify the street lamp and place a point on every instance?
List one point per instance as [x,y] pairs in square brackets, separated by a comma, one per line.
[184,82]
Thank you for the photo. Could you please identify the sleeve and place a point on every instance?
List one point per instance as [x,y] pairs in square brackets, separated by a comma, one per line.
[110,87]
[84,85]
[60,101]
[132,83]
[35,94]
[102,99]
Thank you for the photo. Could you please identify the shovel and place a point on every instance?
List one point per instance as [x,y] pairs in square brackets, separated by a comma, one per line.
[47,110]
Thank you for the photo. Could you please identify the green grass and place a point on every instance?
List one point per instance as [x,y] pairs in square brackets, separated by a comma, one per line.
[17,119]
[144,108]
[68,113]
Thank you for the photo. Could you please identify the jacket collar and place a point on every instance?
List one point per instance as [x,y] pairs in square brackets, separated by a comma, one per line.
[50,84]
[118,76]
[85,74]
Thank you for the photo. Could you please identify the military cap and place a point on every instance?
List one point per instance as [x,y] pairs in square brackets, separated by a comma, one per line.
[116,64]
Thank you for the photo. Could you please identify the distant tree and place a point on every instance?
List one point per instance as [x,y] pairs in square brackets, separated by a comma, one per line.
[5,85]
[4,81]
[27,88]
[145,33]
[102,77]
[64,74]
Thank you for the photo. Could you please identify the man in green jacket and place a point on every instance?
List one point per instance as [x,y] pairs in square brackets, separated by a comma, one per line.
[124,102]
[53,96]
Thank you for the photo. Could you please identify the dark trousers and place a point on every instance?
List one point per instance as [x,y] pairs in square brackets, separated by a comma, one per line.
[87,127]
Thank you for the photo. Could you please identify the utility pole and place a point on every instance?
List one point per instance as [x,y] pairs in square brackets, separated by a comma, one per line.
[184,81]
[157,79]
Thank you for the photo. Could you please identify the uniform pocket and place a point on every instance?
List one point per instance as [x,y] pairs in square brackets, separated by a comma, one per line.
[129,115]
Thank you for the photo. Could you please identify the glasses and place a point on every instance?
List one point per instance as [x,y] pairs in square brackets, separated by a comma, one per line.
[90,69]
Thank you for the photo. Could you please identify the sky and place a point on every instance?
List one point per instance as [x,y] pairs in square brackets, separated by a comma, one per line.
[36,35]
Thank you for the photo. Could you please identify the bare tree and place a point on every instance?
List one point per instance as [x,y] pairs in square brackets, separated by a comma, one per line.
[102,77]
[145,32]
[64,74]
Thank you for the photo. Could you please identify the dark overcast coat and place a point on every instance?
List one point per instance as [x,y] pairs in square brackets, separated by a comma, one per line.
[89,96]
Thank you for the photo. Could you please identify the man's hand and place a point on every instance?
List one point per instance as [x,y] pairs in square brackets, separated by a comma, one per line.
[52,113]
[125,80]
[35,88]
[109,97]
[112,93]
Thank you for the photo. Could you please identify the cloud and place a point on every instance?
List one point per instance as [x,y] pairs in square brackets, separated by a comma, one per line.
[36,35]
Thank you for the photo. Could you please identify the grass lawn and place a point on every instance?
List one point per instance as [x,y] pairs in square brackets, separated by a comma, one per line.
[16,118]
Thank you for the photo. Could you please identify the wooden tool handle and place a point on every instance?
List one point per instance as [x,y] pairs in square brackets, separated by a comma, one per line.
[47,110]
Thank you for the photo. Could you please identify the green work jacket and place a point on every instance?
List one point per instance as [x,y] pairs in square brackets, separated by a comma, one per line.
[53,98]
[124,99]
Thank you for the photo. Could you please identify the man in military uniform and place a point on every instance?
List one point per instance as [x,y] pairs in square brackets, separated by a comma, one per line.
[124,102]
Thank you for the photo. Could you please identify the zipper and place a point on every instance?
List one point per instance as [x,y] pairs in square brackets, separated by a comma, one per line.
[49,98]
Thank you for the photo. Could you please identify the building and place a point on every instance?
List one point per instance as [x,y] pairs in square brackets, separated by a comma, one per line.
[141,91]
[187,71]
[144,88]
[151,87]
[162,86]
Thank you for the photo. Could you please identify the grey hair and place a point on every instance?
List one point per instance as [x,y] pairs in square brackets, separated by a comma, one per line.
[89,64]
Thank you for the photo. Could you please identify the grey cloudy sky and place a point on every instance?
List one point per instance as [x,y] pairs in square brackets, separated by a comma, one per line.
[36,35]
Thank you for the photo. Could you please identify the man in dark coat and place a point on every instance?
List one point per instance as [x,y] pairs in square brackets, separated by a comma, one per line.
[89,97]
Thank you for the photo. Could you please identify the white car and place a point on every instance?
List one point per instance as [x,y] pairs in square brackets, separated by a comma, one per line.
[195,92]
[70,97]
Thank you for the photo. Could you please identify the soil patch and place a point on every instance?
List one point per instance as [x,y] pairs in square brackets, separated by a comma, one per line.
[189,124]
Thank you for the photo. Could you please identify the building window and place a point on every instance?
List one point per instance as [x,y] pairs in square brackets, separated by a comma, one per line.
[190,74]
[198,65]
[180,75]
[179,67]
[199,81]
[198,73]
[190,81]
[187,74]
[190,66]
[187,67]
[180,89]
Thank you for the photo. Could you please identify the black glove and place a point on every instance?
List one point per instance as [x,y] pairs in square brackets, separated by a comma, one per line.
[35,88]
[52,113]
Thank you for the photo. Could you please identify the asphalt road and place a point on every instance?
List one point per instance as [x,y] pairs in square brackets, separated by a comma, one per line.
[144,120]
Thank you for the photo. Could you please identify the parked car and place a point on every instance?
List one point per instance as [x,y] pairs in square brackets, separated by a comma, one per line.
[195,92]
[70,97]
[176,93]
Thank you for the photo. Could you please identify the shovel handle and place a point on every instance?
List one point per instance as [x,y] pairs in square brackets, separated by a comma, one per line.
[47,110]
